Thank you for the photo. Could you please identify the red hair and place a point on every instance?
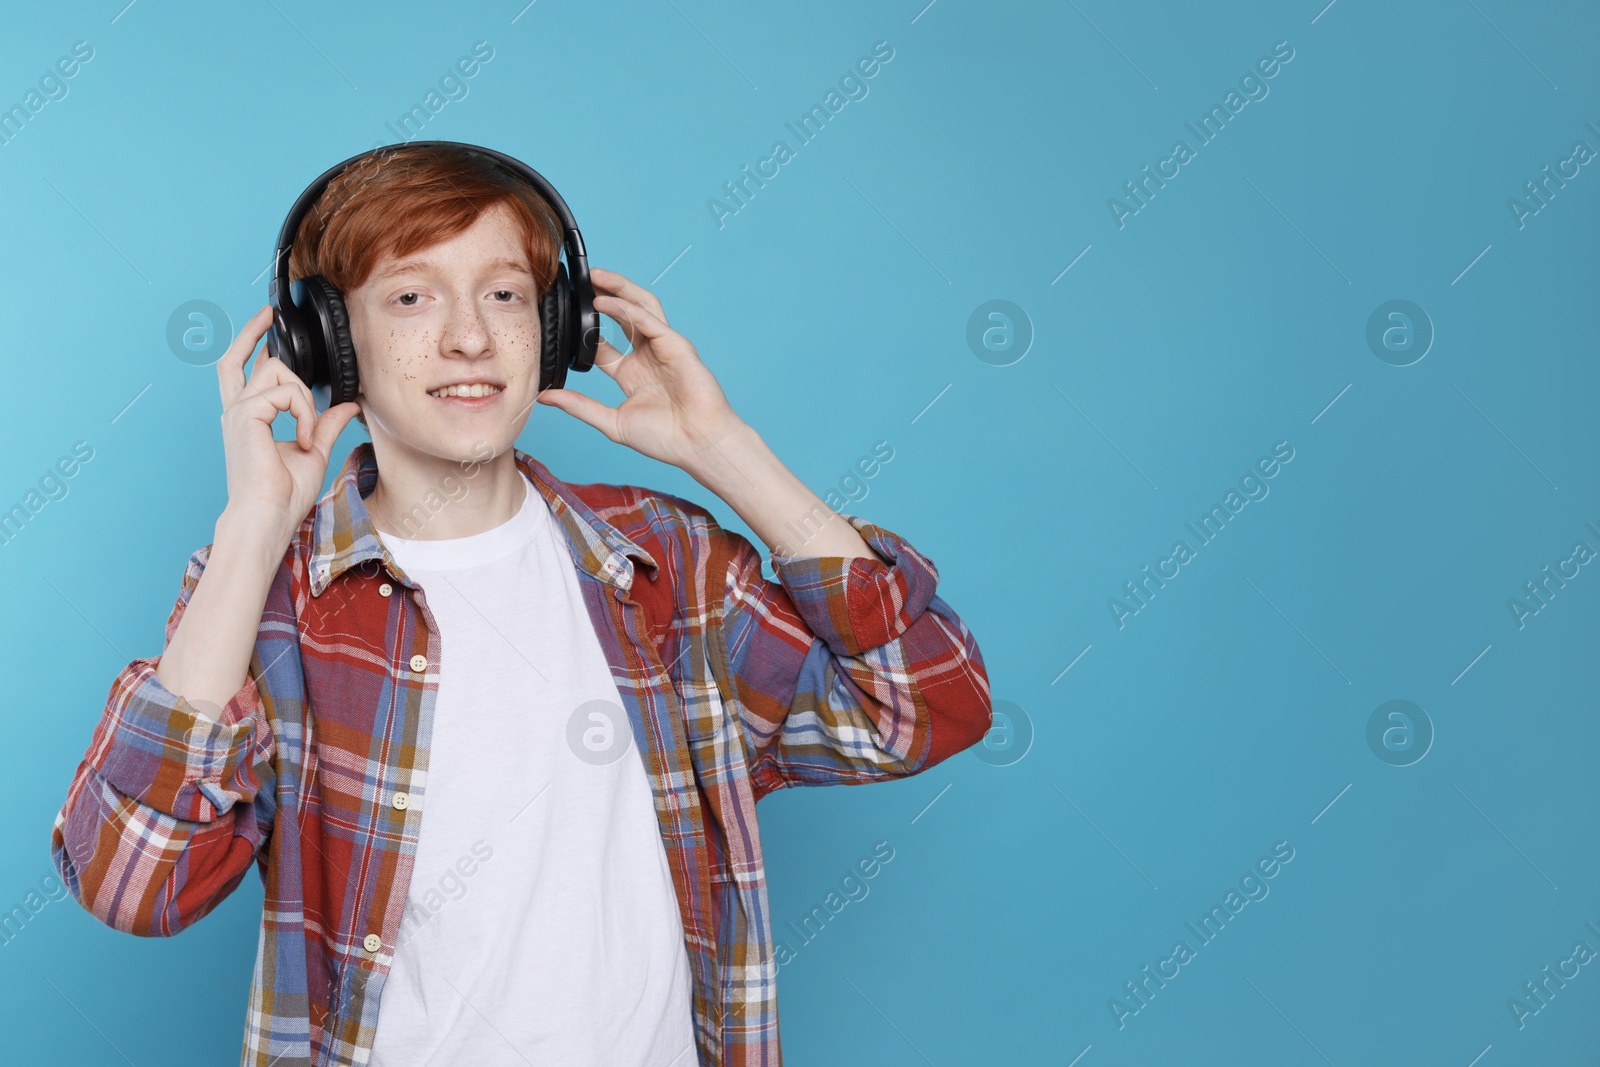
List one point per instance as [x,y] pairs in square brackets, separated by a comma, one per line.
[402,200]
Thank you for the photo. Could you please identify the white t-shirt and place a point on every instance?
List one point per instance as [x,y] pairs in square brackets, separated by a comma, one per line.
[541,915]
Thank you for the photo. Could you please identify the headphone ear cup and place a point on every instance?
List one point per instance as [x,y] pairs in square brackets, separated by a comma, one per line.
[326,306]
[556,328]
[288,340]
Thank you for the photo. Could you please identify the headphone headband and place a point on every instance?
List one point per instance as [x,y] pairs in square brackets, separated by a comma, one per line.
[572,240]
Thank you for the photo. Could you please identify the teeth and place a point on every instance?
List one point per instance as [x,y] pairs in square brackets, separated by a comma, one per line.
[466,390]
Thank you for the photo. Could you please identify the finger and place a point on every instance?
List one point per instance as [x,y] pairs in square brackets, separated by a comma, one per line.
[636,321]
[618,285]
[331,424]
[271,371]
[608,358]
[583,408]
[304,410]
[230,368]
[265,404]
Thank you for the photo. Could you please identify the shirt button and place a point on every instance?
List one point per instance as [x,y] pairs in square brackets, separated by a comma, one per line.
[400,801]
[419,663]
[372,943]
[385,589]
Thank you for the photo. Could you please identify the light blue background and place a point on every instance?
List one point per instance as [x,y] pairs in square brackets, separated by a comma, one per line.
[1227,315]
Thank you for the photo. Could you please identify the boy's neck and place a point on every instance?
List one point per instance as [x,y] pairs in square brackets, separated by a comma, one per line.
[426,498]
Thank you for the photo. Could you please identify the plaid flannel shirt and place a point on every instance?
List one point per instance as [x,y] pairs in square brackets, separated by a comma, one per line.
[844,671]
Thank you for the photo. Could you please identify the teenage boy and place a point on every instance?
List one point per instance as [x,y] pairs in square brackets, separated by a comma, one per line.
[493,740]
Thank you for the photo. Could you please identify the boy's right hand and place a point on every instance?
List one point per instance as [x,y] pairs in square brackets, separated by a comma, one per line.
[271,483]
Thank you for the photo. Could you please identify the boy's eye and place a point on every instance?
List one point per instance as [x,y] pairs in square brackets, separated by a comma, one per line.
[404,302]
[507,293]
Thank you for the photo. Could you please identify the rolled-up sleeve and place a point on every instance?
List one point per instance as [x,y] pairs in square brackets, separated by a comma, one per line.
[848,670]
[154,747]
[169,806]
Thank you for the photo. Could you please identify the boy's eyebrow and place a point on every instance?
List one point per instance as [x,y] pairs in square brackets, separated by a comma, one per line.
[415,264]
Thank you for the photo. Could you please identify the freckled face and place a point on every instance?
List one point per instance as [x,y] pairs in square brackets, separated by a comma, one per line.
[463,311]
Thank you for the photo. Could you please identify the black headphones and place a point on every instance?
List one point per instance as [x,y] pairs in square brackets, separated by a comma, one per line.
[310,330]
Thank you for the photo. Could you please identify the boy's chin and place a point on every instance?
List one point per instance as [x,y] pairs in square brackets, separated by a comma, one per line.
[462,448]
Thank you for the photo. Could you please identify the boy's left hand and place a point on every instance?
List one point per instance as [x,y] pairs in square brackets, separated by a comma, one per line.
[673,410]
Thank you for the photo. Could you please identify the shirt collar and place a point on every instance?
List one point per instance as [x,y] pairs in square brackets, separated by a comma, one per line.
[342,534]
